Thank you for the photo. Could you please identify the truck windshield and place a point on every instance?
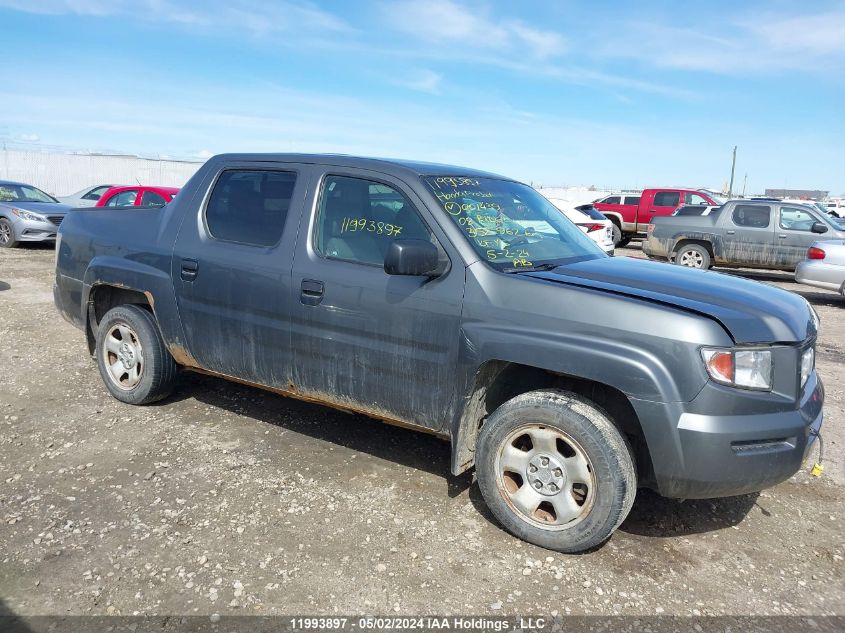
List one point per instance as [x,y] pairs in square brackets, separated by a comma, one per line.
[510,225]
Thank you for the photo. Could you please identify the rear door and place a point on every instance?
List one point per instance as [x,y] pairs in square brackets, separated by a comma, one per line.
[152,198]
[231,269]
[378,343]
[748,236]
[127,198]
[794,234]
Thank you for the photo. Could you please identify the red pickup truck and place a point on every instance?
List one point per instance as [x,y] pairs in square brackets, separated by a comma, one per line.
[631,212]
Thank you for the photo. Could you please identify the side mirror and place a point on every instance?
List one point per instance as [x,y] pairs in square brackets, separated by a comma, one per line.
[412,257]
[818,227]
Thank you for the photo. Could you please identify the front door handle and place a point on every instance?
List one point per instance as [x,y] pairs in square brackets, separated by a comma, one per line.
[311,292]
[782,236]
[190,268]
[730,232]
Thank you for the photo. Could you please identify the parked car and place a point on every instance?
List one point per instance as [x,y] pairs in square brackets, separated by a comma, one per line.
[631,213]
[592,222]
[460,303]
[694,209]
[137,196]
[744,233]
[27,214]
[824,266]
[87,197]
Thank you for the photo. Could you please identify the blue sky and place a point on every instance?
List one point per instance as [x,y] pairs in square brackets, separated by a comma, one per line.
[559,92]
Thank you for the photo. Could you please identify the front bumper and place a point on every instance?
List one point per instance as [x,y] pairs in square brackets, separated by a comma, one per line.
[820,274]
[705,456]
[34,231]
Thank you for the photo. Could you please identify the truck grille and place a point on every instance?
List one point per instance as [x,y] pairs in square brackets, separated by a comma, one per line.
[56,219]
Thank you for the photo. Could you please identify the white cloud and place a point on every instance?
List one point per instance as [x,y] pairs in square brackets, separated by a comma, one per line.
[422,81]
[765,43]
[256,17]
[471,28]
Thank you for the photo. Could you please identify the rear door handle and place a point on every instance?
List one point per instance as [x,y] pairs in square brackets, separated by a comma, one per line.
[731,232]
[190,268]
[782,236]
[311,292]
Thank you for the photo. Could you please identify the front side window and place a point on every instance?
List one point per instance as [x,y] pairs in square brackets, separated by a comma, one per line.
[667,199]
[250,206]
[96,194]
[752,216]
[694,198]
[123,199]
[358,219]
[510,225]
[794,219]
[611,200]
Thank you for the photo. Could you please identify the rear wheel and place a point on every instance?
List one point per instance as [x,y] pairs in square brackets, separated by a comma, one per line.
[555,471]
[7,234]
[693,256]
[617,234]
[133,360]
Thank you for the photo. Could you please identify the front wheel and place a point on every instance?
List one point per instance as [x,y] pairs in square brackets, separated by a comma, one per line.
[133,360]
[7,234]
[555,471]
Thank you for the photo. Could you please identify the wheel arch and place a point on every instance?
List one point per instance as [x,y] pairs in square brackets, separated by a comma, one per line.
[112,281]
[684,241]
[497,381]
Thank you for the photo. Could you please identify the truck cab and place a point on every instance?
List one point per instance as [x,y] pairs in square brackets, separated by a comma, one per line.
[631,213]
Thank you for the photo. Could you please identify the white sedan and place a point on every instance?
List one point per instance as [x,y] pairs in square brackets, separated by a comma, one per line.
[590,220]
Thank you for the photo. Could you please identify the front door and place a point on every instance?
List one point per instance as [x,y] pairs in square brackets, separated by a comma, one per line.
[794,235]
[386,345]
[749,236]
[231,270]
[656,203]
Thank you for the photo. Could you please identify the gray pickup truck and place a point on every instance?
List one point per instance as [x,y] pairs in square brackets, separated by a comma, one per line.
[459,303]
[741,233]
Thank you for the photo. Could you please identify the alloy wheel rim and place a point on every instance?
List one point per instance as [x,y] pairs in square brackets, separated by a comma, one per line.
[545,477]
[123,357]
[5,233]
[693,259]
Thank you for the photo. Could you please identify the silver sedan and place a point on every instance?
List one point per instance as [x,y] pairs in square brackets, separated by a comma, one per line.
[27,214]
[824,266]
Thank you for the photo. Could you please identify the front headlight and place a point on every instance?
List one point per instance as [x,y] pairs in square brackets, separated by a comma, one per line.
[743,368]
[23,214]
[808,362]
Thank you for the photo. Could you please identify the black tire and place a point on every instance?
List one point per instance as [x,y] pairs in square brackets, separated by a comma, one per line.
[609,495]
[617,235]
[7,234]
[626,239]
[693,256]
[156,375]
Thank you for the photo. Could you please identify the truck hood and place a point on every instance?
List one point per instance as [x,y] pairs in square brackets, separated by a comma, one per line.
[44,208]
[750,311]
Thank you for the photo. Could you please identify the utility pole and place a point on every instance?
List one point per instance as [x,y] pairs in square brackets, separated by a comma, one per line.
[744,182]
[733,167]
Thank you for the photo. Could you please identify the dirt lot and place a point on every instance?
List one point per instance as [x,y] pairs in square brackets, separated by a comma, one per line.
[227,499]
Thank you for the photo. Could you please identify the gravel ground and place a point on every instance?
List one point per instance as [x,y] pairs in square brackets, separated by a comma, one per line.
[226,499]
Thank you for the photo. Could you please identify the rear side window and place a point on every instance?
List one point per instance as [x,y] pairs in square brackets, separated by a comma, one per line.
[667,199]
[250,206]
[752,216]
[358,219]
[153,199]
[632,199]
[611,200]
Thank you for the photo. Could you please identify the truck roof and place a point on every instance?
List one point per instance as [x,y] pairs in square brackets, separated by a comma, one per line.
[393,166]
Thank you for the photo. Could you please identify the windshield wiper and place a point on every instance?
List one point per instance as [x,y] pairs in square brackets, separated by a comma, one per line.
[531,269]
